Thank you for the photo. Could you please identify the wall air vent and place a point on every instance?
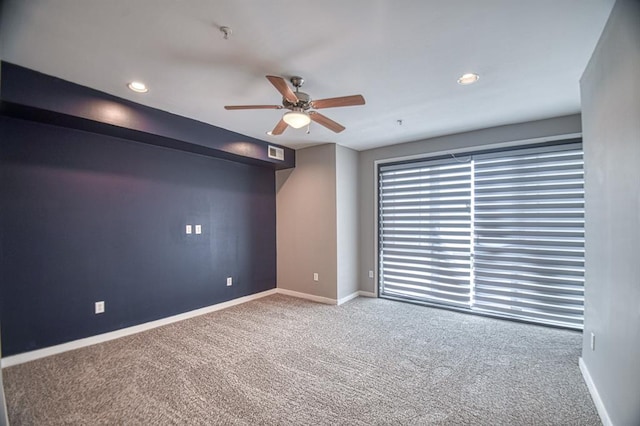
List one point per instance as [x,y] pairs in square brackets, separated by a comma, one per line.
[276,153]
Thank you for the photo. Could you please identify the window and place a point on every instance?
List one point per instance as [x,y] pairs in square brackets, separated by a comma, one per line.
[498,233]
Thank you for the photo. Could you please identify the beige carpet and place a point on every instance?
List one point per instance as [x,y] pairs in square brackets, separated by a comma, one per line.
[280,360]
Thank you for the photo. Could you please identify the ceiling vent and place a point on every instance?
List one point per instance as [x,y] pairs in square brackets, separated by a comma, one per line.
[276,153]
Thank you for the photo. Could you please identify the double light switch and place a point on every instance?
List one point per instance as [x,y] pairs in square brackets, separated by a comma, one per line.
[190,229]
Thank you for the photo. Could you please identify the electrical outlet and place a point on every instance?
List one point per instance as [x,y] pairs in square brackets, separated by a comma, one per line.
[370,274]
[593,341]
[99,307]
[315,276]
[229,281]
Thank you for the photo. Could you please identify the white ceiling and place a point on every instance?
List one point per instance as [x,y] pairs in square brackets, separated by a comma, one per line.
[403,56]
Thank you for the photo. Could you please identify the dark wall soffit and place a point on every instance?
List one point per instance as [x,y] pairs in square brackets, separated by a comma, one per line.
[30,95]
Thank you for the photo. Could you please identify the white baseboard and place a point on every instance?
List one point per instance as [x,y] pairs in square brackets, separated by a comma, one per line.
[100,338]
[105,337]
[325,300]
[311,297]
[602,411]
[349,297]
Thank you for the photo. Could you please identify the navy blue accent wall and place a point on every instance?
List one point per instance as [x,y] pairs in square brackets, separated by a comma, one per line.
[34,96]
[86,217]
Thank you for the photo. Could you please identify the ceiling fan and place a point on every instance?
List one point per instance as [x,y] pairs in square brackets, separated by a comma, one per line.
[299,104]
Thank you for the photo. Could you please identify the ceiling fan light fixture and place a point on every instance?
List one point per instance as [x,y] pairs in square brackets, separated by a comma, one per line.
[297,118]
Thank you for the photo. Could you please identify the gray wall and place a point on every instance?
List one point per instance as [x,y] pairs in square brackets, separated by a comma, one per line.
[317,222]
[611,123]
[306,223]
[347,220]
[367,173]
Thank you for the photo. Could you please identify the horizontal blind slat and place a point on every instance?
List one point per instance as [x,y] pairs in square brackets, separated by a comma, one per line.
[529,235]
[424,231]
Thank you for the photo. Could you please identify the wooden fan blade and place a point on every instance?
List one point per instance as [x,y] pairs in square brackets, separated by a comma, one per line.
[326,122]
[342,101]
[231,107]
[282,86]
[280,128]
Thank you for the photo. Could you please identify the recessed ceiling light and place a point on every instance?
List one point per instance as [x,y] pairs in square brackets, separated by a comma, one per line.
[137,86]
[468,78]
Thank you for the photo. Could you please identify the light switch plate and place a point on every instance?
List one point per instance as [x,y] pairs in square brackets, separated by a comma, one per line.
[99,307]
[198,229]
[188,229]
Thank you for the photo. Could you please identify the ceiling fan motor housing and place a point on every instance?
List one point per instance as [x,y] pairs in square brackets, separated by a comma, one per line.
[304,102]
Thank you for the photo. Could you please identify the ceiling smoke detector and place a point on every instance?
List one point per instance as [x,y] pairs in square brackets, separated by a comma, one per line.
[226,31]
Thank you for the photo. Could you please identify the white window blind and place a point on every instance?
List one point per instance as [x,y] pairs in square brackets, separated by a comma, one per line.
[500,233]
[425,222]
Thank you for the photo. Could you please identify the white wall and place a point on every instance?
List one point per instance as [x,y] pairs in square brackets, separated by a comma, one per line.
[610,89]
[306,223]
[541,129]
[347,220]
